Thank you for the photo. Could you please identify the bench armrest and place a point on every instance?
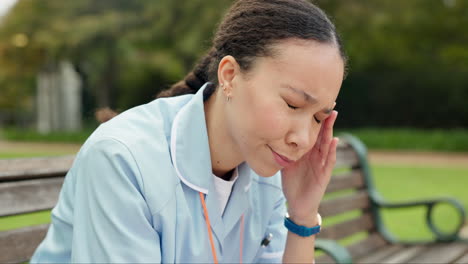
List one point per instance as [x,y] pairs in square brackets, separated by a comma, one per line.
[430,205]
[339,253]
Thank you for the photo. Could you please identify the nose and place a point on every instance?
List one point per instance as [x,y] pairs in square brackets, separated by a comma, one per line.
[302,135]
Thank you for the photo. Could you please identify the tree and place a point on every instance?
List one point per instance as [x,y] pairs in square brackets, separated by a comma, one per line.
[117,45]
[404,55]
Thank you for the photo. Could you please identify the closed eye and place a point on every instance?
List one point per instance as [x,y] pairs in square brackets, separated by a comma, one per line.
[292,106]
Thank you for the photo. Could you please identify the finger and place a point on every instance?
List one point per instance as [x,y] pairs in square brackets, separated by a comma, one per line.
[331,158]
[318,142]
[327,136]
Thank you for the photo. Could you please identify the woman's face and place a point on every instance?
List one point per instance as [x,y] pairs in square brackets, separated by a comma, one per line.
[278,106]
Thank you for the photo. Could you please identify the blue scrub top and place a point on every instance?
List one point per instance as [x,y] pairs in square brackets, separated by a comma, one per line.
[132,195]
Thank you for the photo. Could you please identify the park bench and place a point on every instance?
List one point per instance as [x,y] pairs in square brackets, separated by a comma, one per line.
[31,185]
[28,185]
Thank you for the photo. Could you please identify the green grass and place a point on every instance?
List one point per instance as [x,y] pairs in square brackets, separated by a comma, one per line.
[17,221]
[404,183]
[398,183]
[15,134]
[455,140]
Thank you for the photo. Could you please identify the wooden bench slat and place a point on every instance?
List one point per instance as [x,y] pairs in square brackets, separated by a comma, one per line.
[346,156]
[18,245]
[441,253]
[358,200]
[347,228]
[30,168]
[379,255]
[403,256]
[349,180]
[29,196]
[373,242]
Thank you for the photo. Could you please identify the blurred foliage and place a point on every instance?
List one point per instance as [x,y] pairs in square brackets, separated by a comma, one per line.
[408,59]
[408,62]
[448,140]
[125,50]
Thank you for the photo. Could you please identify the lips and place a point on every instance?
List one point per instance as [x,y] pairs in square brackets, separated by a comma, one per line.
[280,159]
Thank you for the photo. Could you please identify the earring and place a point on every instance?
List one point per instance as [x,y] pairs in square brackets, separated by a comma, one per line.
[228,98]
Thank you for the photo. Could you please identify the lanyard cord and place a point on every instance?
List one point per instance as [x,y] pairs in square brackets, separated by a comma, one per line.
[208,226]
[210,235]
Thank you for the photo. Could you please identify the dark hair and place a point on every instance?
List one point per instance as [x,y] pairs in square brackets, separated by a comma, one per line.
[250,28]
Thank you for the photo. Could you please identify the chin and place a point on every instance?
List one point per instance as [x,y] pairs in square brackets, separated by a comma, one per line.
[262,166]
[264,171]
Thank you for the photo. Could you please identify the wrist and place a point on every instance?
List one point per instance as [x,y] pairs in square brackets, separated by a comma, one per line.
[303,229]
[309,220]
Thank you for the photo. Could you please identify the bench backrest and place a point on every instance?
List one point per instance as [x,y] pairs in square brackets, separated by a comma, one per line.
[347,211]
[26,186]
[33,184]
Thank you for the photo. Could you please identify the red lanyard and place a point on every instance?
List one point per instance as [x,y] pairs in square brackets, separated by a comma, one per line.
[208,226]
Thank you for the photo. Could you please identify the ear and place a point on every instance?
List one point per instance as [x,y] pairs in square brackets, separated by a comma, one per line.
[228,68]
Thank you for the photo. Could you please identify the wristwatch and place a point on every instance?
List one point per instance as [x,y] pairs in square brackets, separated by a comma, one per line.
[300,230]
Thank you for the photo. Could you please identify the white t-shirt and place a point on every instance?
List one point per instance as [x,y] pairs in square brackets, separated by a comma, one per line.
[224,188]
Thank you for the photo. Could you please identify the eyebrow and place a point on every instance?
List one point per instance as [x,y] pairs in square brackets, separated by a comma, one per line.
[309,98]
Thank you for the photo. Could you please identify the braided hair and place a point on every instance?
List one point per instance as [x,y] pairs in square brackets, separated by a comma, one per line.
[249,30]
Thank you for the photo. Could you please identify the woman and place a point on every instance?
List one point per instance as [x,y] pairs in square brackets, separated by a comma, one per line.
[205,177]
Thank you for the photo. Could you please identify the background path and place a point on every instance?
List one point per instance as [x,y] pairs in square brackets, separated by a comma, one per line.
[423,159]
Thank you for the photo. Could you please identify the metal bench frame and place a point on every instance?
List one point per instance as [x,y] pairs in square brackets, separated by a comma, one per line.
[341,254]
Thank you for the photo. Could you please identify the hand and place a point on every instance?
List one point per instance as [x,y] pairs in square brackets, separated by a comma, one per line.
[305,181]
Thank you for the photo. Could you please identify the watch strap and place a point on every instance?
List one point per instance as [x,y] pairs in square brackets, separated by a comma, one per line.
[300,230]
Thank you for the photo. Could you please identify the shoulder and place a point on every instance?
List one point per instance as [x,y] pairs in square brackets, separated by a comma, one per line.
[144,130]
[137,140]
[144,122]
